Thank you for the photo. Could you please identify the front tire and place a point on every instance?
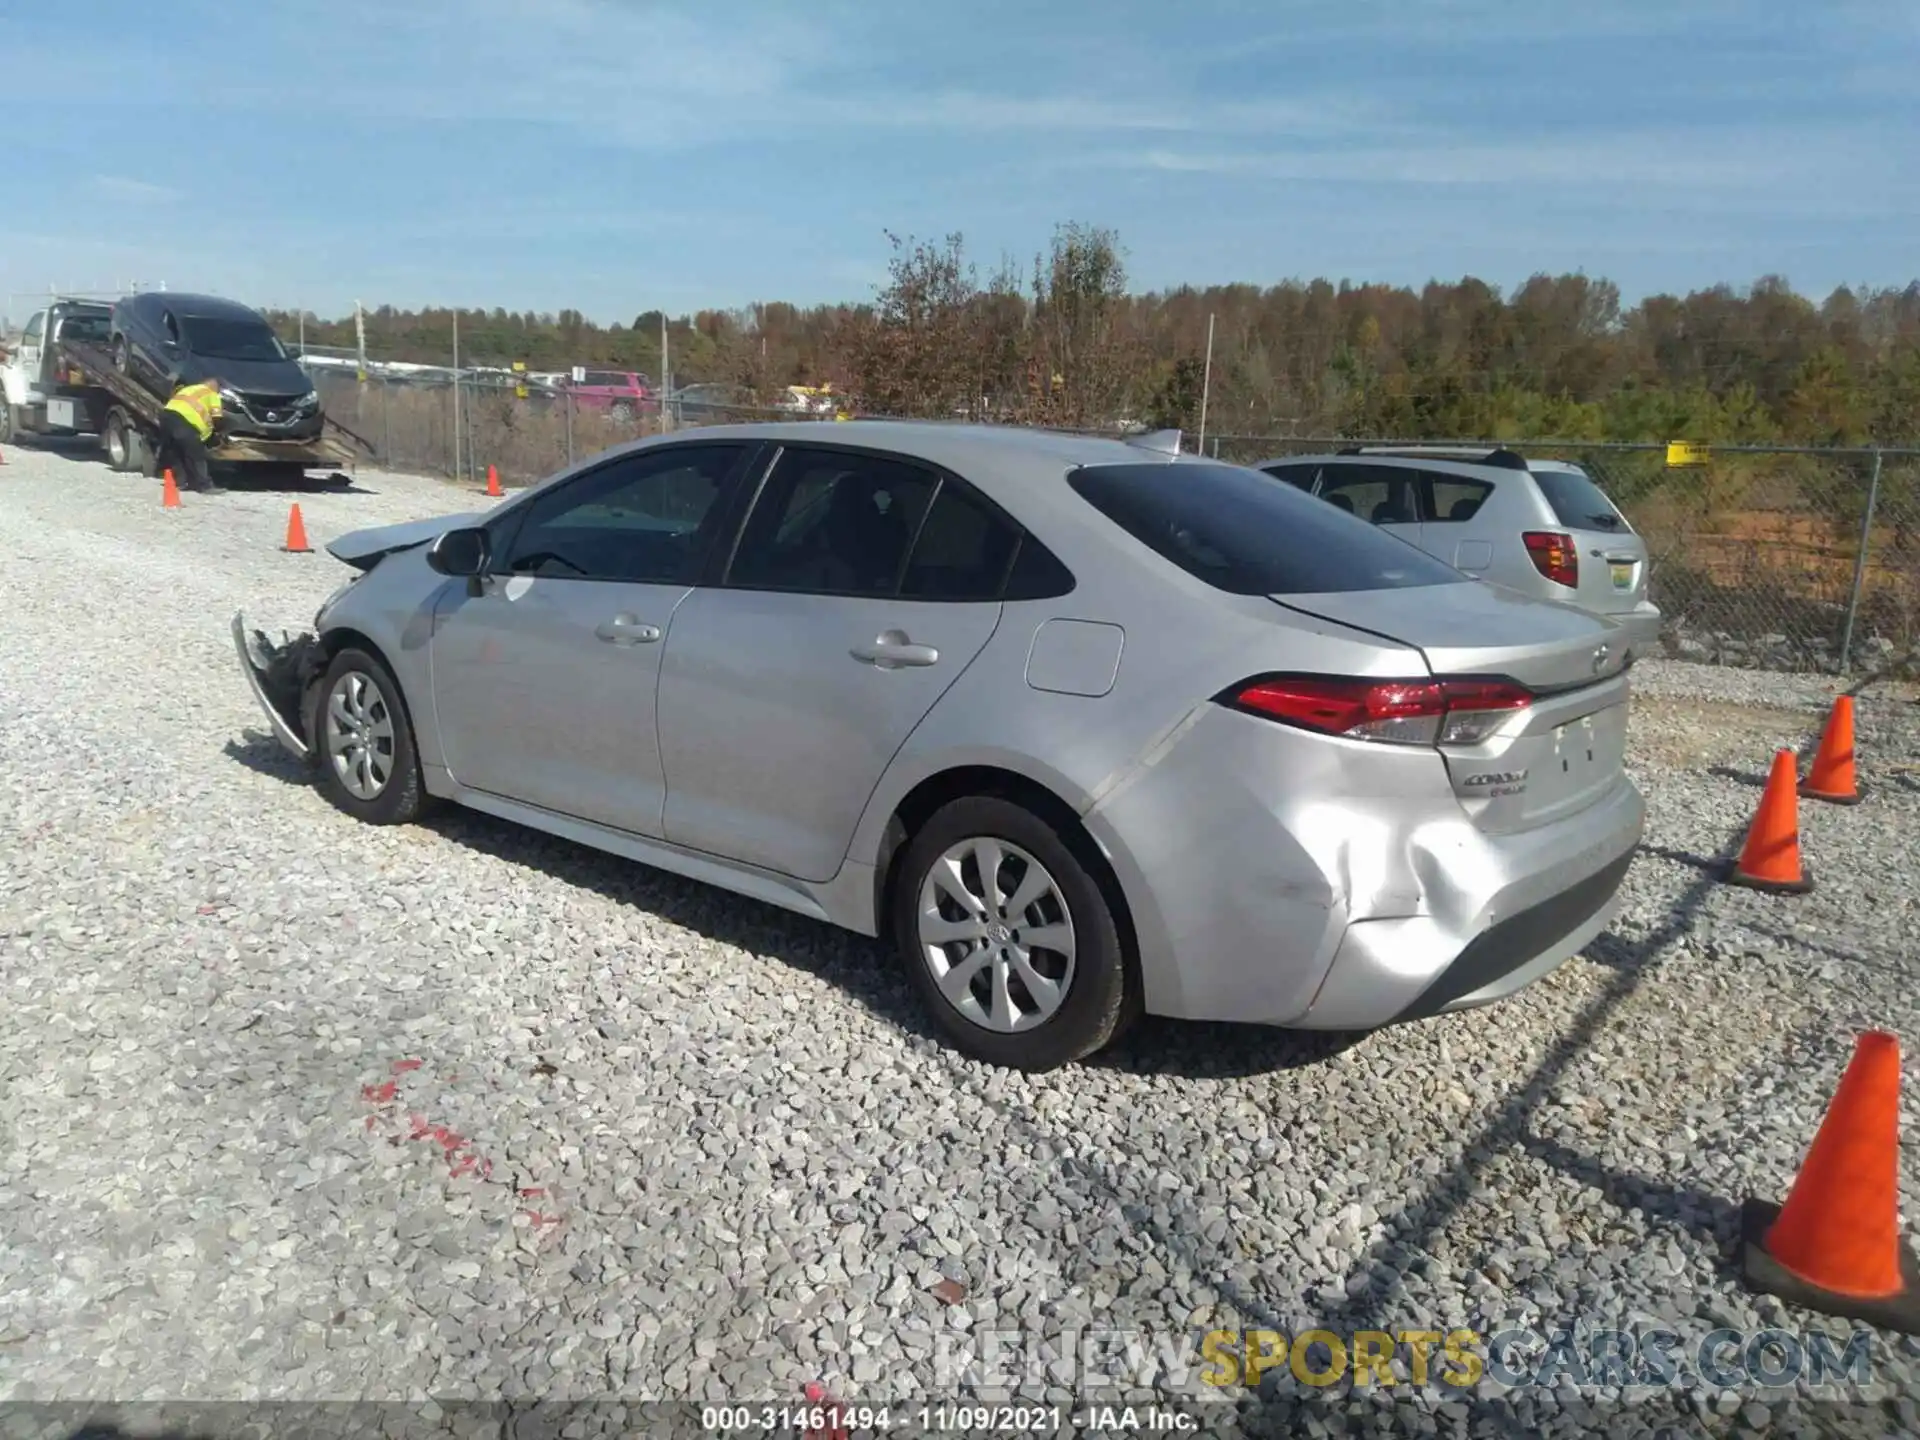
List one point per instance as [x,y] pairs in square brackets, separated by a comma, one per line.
[363,739]
[122,355]
[1008,937]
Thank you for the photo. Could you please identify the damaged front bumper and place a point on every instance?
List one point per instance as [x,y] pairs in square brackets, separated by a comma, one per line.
[281,677]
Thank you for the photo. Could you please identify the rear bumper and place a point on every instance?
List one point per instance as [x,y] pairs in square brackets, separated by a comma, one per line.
[1281,878]
[1556,889]
[1642,624]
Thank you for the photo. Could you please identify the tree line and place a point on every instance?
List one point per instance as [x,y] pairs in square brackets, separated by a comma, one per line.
[1065,341]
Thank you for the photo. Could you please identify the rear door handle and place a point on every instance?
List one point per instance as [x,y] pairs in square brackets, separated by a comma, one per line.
[628,630]
[892,650]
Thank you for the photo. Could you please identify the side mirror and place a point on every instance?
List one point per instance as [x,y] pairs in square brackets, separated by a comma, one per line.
[462,554]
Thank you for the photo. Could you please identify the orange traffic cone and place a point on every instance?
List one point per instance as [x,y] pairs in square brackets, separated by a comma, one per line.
[493,482]
[296,533]
[1832,779]
[1770,860]
[169,492]
[1835,1246]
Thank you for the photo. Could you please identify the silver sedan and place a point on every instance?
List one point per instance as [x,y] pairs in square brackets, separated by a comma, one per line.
[1084,728]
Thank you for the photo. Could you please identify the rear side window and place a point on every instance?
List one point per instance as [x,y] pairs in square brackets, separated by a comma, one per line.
[1453,498]
[1382,494]
[963,551]
[832,523]
[1241,533]
[1301,477]
[1577,502]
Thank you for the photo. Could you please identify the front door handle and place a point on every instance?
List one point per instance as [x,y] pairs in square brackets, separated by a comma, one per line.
[892,650]
[628,630]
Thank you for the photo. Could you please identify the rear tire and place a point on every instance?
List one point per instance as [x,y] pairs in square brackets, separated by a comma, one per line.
[122,355]
[362,739]
[115,438]
[1033,985]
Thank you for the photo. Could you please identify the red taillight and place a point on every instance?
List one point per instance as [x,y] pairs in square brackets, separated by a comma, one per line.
[1553,556]
[1402,712]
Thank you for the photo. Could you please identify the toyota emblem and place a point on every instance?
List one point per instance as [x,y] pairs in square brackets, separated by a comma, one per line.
[1600,658]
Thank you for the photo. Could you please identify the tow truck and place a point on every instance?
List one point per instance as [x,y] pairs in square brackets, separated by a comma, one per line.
[61,380]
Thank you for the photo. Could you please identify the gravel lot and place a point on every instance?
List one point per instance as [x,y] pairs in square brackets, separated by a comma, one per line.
[294,1108]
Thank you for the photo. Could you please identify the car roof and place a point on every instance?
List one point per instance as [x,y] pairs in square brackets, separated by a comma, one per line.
[1470,462]
[204,307]
[961,446]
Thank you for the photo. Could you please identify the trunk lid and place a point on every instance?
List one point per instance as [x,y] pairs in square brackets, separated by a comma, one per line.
[1557,756]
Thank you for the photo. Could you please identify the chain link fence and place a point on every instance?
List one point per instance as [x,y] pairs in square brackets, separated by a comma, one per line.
[431,424]
[1768,558]
[1776,559]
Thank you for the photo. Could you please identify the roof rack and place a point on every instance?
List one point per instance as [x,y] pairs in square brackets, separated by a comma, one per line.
[1500,456]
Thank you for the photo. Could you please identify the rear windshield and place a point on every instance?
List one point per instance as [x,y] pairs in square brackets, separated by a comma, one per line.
[230,339]
[84,326]
[1249,534]
[1577,502]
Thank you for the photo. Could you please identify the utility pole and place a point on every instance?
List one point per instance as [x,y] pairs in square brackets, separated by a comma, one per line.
[666,369]
[1206,385]
[456,392]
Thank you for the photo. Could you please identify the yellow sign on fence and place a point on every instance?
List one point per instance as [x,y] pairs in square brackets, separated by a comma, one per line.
[1684,454]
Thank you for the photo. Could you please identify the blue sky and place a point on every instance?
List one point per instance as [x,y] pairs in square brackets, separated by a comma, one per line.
[615,156]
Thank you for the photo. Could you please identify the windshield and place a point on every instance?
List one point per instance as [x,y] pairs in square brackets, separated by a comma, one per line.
[230,339]
[1249,534]
[1577,501]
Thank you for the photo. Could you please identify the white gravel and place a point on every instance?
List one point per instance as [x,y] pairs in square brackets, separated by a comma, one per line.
[274,1086]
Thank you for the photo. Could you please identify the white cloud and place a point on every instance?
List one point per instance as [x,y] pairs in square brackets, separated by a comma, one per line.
[1712,160]
[121,187]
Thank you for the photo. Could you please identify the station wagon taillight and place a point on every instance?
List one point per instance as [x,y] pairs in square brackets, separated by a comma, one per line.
[1397,712]
[1553,556]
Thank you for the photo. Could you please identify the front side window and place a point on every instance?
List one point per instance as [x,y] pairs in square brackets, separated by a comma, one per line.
[1239,532]
[832,523]
[645,518]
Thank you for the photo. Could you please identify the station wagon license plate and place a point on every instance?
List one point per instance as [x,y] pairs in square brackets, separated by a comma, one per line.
[1623,575]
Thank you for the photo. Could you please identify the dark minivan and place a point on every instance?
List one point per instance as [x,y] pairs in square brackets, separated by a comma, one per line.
[161,339]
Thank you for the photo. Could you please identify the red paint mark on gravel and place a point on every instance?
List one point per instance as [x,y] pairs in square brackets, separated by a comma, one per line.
[462,1160]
